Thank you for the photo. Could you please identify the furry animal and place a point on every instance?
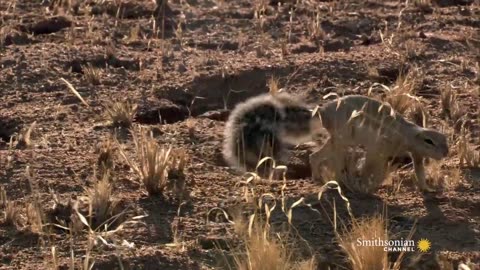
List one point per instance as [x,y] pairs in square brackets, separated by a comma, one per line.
[262,126]
[359,120]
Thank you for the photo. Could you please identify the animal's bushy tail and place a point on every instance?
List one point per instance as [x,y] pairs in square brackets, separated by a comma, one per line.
[251,133]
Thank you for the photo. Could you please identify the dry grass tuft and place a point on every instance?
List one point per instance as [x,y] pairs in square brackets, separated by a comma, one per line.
[314,28]
[420,3]
[263,251]
[35,214]
[365,257]
[120,114]
[105,158]
[158,167]
[450,107]
[423,5]
[468,155]
[436,175]
[103,223]
[370,257]
[261,247]
[453,179]
[92,74]
[101,199]
[75,226]
[401,95]
[273,86]
[11,211]
[153,161]
[35,217]
[190,123]
[176,174]
[440,177]
[134,33]
[3,196]
[477,78]
[11,216]
[54,263]
[418,114]
[24,137]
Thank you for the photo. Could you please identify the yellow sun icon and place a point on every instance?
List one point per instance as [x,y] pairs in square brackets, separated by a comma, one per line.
[424,245]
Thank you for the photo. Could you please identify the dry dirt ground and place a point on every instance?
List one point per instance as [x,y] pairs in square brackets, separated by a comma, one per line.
[192,76]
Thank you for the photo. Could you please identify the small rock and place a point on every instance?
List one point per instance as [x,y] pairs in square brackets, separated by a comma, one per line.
[181,68]
[218,115]
[305,48]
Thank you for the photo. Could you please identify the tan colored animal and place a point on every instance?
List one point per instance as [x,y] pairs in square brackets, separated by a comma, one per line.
[359,120]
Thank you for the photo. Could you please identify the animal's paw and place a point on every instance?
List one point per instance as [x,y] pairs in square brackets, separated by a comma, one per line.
[316,175]
[428,189]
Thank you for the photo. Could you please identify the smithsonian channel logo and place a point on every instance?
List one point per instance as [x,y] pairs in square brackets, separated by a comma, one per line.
[401,245]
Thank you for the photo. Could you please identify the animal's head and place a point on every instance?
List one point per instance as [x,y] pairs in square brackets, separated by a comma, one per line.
[297,127]
[431,143]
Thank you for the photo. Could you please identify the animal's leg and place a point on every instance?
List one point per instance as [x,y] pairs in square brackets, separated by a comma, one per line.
[420,173]
[317,159]
[375,169]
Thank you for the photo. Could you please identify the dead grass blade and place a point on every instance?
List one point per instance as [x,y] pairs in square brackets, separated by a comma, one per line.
[24,138]
[74,91]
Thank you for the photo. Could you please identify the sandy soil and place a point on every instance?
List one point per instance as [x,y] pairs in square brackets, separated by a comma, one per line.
[192,77]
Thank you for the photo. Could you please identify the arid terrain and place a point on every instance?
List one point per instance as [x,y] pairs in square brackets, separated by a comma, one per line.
[185,66]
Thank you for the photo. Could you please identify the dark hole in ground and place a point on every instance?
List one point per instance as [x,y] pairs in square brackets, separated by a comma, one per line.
[213,93]
[101,61]
[224,46]
[162,111]
[330,45]
[47,26]
[305,48]
[337,44]
[448,3]
[389,73]
[8,128]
